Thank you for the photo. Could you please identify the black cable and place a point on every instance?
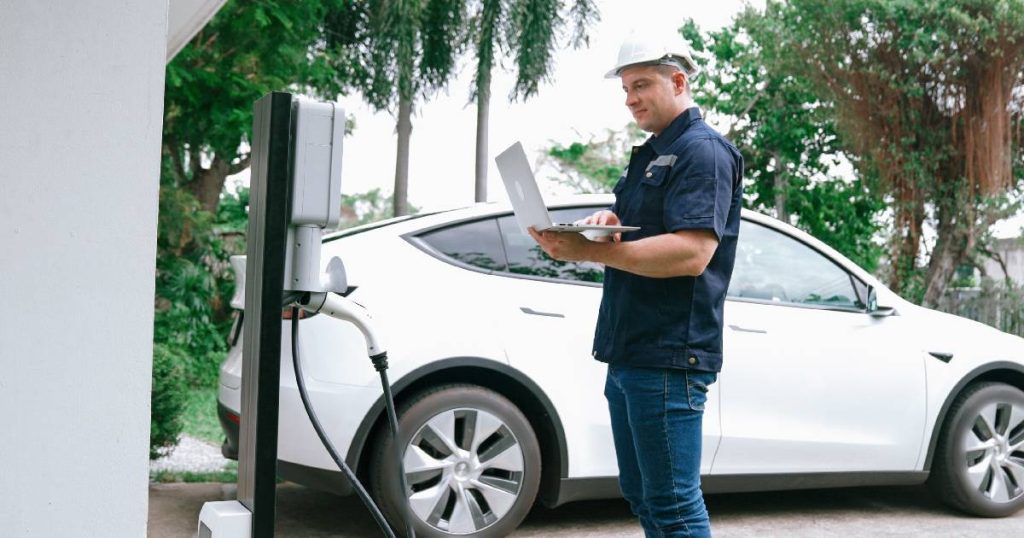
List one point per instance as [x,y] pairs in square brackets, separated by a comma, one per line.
[380,362]
[363,495]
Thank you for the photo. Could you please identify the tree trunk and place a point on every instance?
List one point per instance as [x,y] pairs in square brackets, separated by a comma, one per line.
[208,183]
[905,244]
[483,109]
[955,244]
[401,198]
[946,257]
[781,189]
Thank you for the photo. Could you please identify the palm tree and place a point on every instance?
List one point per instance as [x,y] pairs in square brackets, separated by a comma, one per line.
[527,30]
[403,50]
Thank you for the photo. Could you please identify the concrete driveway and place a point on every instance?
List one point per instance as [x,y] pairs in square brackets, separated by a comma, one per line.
[906,511]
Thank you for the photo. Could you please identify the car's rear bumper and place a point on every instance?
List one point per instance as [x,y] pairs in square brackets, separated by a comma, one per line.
[228,423]
[322,479]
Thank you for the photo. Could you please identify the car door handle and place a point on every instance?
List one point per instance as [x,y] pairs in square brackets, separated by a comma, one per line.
[527,310]
[742,330]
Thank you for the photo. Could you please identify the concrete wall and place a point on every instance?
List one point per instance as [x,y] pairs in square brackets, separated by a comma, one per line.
[1012,253]
[81,100]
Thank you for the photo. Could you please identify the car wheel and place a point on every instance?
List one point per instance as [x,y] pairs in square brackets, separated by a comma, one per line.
[471,460]
[979,465]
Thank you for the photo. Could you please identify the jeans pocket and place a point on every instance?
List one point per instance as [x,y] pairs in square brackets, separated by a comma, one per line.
[697,384]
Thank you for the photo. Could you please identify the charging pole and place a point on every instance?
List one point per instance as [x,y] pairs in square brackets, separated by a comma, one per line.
[265,268]
[295,192]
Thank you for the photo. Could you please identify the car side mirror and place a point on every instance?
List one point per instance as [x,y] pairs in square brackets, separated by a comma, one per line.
[873,308]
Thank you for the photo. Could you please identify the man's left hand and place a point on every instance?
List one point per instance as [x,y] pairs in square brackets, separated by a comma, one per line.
[564,246]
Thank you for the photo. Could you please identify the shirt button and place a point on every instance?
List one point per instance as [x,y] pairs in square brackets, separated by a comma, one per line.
[650,174]
[693,360]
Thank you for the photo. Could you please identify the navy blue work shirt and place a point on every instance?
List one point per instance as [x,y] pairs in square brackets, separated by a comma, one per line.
[687,178]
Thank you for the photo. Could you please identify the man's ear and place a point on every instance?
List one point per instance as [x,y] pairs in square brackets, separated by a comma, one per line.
[679,82]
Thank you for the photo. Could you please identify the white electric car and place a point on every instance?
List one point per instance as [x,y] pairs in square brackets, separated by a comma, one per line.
[829,379]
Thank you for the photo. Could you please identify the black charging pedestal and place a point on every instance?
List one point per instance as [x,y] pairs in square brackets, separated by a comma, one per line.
[269,206]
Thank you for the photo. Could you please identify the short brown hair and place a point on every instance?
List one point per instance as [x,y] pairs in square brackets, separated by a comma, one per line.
[668,71]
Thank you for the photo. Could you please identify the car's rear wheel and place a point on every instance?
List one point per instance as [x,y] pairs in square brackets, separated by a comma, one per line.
[979,465]
[471,460]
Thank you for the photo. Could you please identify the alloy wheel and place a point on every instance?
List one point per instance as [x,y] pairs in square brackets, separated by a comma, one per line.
[994,452]
[465,470]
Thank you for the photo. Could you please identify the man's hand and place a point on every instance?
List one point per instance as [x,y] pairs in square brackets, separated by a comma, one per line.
[564,246]
[604,218]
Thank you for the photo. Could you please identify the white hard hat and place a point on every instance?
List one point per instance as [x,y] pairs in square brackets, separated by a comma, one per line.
[638,49]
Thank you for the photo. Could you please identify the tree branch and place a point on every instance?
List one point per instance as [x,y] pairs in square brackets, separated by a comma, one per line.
[176,160]
[241,165]
[746,110]
[195,163]
[1002,264]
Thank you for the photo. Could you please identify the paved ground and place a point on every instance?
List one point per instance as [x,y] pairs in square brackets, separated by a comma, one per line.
[907,511]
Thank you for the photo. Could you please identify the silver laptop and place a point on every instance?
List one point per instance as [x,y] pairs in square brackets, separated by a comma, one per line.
[527,202]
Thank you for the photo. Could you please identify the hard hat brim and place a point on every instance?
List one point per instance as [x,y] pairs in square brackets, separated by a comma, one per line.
[616,72]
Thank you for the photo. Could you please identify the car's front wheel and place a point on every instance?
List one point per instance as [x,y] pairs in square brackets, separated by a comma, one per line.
[979,465]
[471,460]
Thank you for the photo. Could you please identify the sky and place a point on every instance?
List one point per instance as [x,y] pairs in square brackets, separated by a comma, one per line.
[576,104]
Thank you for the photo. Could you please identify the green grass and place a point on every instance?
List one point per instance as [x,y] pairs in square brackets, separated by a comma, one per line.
[229,474]
[200,416]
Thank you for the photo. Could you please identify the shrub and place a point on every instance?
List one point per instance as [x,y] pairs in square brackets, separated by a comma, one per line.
[167,401]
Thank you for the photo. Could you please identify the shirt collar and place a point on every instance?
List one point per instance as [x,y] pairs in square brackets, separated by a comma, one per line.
[678,126]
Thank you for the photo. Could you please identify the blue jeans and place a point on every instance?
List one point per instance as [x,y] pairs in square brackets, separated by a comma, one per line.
[656,423]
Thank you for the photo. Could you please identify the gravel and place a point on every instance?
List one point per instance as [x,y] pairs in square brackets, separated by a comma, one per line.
[192,455]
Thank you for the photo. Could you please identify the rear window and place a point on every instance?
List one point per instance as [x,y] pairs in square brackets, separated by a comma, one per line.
[475,243]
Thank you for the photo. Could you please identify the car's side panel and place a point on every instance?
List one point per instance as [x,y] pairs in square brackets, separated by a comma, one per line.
[550,340]
[948,382]
[811,390]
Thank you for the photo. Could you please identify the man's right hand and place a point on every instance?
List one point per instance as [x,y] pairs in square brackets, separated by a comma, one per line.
[604,218]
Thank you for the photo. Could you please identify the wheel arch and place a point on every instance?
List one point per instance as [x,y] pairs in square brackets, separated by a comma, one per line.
[1002,371]
[490,374]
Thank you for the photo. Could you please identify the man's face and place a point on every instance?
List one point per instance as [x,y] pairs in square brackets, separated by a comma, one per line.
[651,97]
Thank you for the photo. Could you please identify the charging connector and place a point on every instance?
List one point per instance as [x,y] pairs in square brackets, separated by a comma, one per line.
[345,309]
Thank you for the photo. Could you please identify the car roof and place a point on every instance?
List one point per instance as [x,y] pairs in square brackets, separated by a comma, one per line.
[439,217]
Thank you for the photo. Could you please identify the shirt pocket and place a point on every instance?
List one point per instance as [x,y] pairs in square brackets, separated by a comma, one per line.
[652,195]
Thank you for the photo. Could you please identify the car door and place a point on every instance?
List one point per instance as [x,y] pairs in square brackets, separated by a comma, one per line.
[550,338]
[811,382]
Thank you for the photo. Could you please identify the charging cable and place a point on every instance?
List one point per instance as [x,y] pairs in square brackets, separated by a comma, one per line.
[380,363]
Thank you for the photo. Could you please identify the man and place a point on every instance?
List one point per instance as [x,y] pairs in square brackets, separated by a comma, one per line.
[660,322]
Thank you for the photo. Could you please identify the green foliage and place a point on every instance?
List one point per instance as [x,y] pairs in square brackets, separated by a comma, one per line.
[402,49]
[927,96]
[228,475]
[844,215]
[167,399]
[596,165]
[787,136]
[366,207]
[247,50]
[194,280]
[200,415]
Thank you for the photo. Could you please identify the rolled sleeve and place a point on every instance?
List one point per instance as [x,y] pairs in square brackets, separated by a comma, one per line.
[699,193]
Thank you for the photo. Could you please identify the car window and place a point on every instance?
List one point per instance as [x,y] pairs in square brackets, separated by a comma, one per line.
[525,256]
[476,243]
[772,266]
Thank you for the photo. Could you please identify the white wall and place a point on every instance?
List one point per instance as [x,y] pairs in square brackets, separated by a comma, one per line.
[81,100]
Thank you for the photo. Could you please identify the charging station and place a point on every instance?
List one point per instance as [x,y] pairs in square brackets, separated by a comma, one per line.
[295,193]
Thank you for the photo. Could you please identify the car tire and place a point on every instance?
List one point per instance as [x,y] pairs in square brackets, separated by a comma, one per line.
[979,459]
[471,459]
